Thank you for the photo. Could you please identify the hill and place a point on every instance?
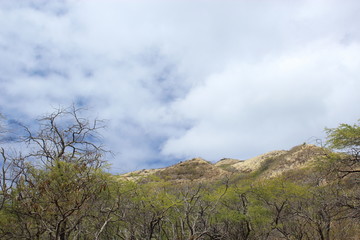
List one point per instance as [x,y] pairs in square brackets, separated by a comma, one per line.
[267,165]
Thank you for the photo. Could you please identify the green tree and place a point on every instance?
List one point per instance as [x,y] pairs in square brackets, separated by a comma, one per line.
[346,164]
[271,211]
[58,181]
[346,138]
[55,202]
[232,216]
[144,210]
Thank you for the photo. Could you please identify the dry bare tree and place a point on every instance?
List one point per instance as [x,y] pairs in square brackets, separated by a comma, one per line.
[65,135]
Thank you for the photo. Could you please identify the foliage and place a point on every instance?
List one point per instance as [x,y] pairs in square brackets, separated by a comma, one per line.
[60,191]
[344,137]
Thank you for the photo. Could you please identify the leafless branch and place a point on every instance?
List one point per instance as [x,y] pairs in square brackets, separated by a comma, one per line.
[64,135]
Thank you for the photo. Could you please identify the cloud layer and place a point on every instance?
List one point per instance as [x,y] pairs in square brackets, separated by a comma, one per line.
[183,79]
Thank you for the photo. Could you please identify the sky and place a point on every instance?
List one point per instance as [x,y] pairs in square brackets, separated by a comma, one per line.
[176,80]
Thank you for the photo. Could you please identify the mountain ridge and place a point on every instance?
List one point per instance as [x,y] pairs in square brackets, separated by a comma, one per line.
[268,165]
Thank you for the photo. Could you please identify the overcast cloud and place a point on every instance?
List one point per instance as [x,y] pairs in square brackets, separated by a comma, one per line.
[182,79]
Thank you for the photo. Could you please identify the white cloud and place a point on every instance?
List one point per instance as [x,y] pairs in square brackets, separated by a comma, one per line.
[185,78]
[276,103]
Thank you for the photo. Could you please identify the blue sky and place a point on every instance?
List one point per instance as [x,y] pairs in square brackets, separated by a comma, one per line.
[183,79]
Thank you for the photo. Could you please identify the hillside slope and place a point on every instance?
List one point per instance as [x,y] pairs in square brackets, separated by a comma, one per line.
[266,165]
